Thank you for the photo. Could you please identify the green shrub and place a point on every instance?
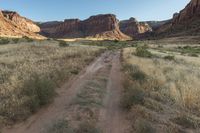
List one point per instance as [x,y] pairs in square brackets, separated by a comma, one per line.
[169,57]
[15,40]
[41,91]
[143,52]
[143,126]
[194,55]
[133,95]
[186,121]
[61,126]
[28,39]
[135,73]
[138,75]
[4,41]
[116,41]
[87,127]
[63,44]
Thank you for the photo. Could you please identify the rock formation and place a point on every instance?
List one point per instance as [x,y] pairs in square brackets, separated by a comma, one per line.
[134,28]
[13,25]
[191,11]
[100,27]
[156,24]
[186,22]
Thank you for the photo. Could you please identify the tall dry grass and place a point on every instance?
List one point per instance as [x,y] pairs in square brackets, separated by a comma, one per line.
[29,73]
[161,94]
[180,80]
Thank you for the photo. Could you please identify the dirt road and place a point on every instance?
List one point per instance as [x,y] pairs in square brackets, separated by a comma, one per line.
[111,118]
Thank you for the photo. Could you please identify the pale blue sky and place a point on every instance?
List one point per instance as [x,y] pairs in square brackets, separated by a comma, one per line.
[49,10]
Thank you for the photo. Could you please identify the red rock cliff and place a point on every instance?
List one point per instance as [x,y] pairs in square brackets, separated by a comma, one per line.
[12,24]
[100,26]
[133,28]
[23,23]
[186,22]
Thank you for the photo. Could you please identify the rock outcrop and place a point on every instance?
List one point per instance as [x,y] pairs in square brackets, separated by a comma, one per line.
[23,23]
[191,11]
[100,27]
[186,22]
[134,28]
[14,25]
[156,24]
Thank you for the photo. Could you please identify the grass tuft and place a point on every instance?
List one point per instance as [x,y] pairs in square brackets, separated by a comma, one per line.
[143,52]
[169,57]
[41,91]
[143,126]
[87,127]
[4,41]
[61,126]
[63,44]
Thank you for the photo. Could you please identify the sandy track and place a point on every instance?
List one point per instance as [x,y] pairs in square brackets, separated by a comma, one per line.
[38,122]
[112,118]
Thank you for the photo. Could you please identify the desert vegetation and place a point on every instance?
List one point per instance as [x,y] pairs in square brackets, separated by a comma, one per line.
[31,72]
[161,93]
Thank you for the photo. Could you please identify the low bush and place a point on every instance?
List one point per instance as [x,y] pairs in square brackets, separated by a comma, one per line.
[4,41]
[133,95]
[169,57]
[87,127]
[116,41]
[63,44]
[186,121]
[138,75]
[15,40]
[194,55]
[40,90]
[28,39]
[61,126]
[135,73]
[143,126]
[143,52]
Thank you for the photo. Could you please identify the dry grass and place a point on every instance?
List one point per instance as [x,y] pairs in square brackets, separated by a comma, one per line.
[23,65]
[180,81]
[170,88]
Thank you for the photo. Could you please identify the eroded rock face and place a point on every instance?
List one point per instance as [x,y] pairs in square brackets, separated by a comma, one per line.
[100,26]
[133,28]
[187,22]
[13,25]
[192,10]
[68,29]
[21,22]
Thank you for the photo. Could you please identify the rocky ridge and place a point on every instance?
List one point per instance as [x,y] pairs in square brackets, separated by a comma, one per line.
[103,26]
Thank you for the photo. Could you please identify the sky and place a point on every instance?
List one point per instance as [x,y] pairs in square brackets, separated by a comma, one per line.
[50,10]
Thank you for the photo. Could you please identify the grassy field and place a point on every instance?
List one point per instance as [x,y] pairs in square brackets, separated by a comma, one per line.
[161,90]
[30,72]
